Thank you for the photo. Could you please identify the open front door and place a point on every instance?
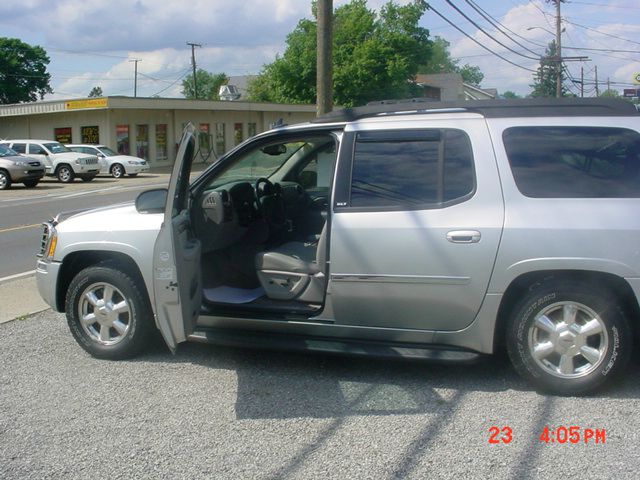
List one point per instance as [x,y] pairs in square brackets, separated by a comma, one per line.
[176,257]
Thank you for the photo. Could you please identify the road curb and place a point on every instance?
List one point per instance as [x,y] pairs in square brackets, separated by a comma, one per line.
[19,297]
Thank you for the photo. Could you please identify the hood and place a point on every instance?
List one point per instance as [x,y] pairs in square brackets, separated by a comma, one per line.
[125,158]
[114,218]
[70,156]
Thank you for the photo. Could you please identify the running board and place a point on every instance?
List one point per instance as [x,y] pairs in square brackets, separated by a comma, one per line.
[432,353]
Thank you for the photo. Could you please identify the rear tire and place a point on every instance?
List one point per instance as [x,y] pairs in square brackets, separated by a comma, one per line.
[5,180]
[108,313]
[87,179]
[569,338]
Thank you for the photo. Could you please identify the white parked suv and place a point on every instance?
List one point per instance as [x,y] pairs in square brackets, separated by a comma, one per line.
[58,160]
[111,162]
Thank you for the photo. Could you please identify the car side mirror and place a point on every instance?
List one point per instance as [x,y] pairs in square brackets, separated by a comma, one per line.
[152,201]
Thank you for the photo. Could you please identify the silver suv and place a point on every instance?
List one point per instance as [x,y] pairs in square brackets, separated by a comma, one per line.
[427,230]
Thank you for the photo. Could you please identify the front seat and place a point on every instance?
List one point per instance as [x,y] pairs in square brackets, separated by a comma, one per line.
[294,270]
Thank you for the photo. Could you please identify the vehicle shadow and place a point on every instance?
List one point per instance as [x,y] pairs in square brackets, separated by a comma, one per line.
[280,385]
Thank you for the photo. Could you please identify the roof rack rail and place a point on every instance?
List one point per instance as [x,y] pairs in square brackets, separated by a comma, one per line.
[526,107]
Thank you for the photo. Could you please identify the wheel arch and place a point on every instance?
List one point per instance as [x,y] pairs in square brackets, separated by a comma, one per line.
[77,261]
[530,281]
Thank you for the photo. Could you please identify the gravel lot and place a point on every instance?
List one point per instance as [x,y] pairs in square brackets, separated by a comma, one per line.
[211,412]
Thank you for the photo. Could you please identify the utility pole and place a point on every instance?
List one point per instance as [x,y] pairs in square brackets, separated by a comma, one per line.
[135,76]
[597,84]
[581,82]
[324,63]
[559,50]
[193,64]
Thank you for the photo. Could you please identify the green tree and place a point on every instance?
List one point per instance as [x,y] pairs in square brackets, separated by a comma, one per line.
[440,61]
[545,78]
[208,85]
[609,93]
[509,95]
[375,55]
[95,92]
[23,72]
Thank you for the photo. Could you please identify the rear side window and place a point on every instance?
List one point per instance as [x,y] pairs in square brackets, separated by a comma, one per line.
[19,147]
[574,162]
[411,169]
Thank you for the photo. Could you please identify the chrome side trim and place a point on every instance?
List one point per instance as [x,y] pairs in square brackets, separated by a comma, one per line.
[419,279]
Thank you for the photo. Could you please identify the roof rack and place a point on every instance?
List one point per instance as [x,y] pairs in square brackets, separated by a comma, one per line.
[526,107]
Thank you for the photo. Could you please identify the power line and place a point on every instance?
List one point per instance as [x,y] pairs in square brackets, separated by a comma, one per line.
[176,81]
[601,33]
[488,34]
[497,25]
[476,41]
[606,5]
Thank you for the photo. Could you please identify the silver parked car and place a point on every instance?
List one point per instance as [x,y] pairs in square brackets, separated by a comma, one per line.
[16,168]
[440,231]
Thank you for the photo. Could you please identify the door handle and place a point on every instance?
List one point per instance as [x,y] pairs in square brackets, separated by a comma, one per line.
[464,236]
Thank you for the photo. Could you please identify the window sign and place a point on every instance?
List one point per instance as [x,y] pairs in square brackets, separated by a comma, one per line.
[142,141]
[237,133]
[204,143]
[161,142]
[90,134]
[122,139]
[62,135]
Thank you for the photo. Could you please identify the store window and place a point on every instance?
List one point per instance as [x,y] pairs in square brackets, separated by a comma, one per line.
[90,134]
[221,144]
[204,138]
[252,129]
[122,139]
[62,135]
[161,142]
[142,141]
[237,133]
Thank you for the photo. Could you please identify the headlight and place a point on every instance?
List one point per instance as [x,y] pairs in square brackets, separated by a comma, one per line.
[21,164]
[77,162]
[132,162]
[49,241]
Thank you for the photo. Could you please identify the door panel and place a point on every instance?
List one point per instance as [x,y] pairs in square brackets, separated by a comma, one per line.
[418,268]
[176,256]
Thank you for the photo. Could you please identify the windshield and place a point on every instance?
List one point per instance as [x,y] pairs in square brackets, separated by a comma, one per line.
[107,152]
[7,152]
[261,162]
[56,147]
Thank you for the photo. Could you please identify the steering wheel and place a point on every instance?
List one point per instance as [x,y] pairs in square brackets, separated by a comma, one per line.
[270,203]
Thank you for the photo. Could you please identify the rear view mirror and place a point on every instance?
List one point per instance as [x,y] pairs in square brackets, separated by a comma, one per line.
[152,201]
[277,149]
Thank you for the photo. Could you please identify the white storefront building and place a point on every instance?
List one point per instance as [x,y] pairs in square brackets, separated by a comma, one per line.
[146,127]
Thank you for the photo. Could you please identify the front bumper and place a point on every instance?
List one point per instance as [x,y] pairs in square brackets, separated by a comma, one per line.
[136,169]
[21,174]
[47,281]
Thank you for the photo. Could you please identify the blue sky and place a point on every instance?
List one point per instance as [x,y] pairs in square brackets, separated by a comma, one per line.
[92,42]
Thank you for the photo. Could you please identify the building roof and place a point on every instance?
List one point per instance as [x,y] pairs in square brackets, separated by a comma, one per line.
[143,103]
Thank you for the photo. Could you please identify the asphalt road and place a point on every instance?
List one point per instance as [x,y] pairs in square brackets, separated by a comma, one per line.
[221,413]
[22,211]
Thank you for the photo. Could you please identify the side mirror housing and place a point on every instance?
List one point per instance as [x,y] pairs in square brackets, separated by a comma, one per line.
[152,201]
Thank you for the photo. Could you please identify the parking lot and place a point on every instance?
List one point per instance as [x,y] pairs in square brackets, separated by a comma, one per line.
[211,412]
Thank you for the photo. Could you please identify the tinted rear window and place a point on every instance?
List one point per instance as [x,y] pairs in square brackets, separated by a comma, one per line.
[574,162]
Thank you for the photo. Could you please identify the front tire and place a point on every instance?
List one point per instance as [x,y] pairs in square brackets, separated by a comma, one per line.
[108,314]
[569,338]
[31,183]
[65,174]
[5,180]
[117,170]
